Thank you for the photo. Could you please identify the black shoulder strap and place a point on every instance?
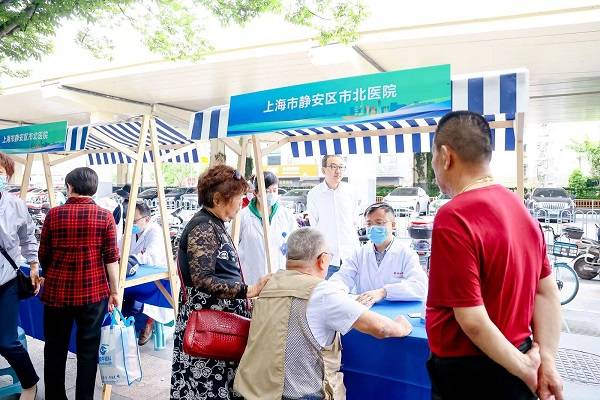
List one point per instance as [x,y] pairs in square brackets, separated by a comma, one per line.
[9,258]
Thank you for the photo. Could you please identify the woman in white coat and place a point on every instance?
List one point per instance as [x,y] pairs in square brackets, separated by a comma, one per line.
[251,246]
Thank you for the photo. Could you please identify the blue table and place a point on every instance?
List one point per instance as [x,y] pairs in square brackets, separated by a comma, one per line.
[31,311]
[391,368]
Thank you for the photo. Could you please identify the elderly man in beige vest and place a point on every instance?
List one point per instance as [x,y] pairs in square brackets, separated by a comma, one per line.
[294,350]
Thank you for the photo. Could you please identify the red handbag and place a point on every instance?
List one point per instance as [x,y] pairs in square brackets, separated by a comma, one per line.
[215,334]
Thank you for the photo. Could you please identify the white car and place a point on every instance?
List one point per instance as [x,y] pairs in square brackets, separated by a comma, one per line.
[438,202]
[408,200]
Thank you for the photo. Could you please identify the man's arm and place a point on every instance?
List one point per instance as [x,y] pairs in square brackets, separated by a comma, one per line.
[414,284]
[546,332]
[382,327]
[477,325]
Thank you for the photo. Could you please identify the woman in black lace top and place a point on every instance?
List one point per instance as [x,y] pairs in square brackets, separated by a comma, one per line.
[212,279]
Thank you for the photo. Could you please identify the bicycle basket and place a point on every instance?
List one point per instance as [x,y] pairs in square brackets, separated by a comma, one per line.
[564,249]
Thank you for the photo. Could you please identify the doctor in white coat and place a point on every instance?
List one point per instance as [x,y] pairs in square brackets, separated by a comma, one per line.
[147,245]
[251,248]
[384,268]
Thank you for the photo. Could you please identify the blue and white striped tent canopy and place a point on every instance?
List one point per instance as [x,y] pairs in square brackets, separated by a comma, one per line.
[498,96]
[128,134]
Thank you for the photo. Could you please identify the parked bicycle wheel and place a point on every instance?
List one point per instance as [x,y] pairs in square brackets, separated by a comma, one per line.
[567,282]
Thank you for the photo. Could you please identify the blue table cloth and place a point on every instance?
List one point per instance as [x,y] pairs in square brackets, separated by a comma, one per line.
[392,368]
[31,311]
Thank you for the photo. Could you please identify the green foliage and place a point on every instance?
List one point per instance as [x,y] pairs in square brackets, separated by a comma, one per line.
[383,190]
[578,184]
[171,28]
[175,174]
[591,150]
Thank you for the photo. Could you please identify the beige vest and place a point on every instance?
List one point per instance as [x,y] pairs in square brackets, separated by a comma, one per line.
[260,374]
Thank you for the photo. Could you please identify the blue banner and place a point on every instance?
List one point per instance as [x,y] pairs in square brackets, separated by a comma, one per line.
[407,94]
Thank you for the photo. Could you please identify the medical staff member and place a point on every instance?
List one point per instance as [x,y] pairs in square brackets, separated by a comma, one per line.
[332,209]
[251,246]
[147,248]
[385,268]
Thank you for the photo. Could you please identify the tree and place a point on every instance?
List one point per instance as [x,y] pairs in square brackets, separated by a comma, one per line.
[591,150]
[578,184]
[176,174]
[171,28]
[423,173]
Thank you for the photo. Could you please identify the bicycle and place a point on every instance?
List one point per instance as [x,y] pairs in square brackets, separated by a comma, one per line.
[565,276]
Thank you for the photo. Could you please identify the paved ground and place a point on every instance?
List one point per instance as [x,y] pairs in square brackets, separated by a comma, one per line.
[579,357]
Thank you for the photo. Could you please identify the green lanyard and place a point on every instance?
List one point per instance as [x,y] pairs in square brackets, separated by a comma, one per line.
[254,210]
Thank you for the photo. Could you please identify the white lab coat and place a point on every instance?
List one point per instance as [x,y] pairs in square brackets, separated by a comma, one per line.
[334,212]
[251,248]
[148,247]
[399,272]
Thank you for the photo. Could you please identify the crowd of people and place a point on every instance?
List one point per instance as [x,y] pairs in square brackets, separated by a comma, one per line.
[492,308]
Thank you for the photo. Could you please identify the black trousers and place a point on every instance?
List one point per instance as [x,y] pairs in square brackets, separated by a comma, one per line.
[58,322]
[10,347]
[475,378]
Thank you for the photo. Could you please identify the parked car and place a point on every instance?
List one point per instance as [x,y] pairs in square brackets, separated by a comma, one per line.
[439,201]
[551,203]
[295,200]
[177,193]
[281,191]
[406,200]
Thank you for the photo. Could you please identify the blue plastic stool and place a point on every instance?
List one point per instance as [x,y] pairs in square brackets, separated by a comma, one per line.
[15,387]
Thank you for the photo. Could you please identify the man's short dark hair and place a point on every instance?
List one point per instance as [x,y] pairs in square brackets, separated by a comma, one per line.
[143,208]
[83,181]
[468,134]
[327,157]
[379,206]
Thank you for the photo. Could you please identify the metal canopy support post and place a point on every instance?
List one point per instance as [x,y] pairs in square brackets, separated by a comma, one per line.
[235,226]
[519,130]
[26,176]
[262,190]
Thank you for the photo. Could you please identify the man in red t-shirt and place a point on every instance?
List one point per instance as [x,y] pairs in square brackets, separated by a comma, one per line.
[490,282]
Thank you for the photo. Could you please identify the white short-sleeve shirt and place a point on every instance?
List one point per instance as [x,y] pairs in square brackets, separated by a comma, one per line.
[331,310]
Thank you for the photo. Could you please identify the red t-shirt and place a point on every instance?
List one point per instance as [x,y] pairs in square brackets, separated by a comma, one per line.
[486,250]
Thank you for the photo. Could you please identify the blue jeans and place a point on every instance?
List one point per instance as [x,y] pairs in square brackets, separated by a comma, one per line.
[332,270]
[10,347]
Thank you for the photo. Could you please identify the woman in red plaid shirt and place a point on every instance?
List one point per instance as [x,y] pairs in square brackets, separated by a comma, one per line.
[79,254]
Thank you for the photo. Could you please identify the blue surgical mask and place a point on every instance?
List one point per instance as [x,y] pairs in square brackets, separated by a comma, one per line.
[136,229]
[272,198]
[377,234]
[3,182]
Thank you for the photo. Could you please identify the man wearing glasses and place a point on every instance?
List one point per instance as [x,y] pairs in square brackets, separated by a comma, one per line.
[332,208]
[384,269]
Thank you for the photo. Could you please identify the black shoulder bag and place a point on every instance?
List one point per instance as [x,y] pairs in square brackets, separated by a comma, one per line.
[25,288]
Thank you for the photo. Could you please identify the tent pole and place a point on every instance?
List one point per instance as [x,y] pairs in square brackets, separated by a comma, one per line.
[262,190]
[235,227]
[162,206]
[520,126]
[26,176]
[48,175]
[126,241]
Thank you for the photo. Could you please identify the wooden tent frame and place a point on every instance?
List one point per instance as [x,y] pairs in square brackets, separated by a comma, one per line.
[149,128]
[518,124]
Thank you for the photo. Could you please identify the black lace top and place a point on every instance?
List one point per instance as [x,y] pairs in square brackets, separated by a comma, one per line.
[208,259]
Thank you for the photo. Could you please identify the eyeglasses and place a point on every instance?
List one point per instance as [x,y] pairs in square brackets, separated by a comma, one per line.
[236,175]
[334,167]
[319,256]
[376,223]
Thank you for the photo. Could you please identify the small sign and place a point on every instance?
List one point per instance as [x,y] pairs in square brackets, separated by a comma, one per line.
[41,138]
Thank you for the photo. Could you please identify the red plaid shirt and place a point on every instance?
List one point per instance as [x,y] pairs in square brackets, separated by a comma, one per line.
[78,239]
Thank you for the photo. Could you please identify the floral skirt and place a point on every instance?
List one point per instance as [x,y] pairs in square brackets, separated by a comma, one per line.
[198,378]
